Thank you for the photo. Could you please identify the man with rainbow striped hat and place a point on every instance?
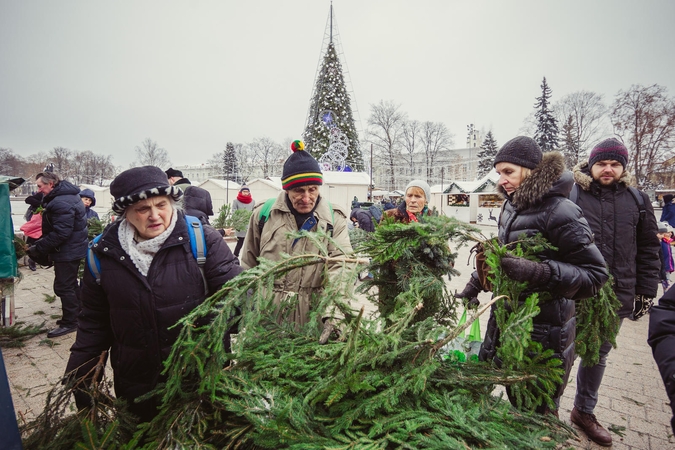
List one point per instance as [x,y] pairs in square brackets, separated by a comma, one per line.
[298,207]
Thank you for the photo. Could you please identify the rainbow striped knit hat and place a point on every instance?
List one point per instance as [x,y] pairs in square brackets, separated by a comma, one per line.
[300,169]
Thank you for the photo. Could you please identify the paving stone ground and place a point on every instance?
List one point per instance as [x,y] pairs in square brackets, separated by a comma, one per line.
[632,398]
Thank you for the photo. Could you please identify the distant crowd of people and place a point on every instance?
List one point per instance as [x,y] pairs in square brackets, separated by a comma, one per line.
[597,223]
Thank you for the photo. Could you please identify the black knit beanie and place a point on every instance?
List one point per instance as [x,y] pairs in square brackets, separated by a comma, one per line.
[667,198]
[138,184]
[609,149]
[170,172]
[300,169]
[521,150]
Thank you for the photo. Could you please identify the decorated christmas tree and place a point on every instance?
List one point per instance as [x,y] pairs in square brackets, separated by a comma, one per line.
[330,134]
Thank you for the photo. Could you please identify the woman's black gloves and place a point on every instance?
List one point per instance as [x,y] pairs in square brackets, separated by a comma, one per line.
[521,269]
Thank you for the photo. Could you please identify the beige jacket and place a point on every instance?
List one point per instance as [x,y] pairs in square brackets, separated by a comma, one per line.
[304,281]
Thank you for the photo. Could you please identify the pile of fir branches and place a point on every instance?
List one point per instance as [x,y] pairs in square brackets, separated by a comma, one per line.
[382,385]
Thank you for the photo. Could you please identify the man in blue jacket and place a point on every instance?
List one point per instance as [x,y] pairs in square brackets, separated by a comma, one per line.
[64,239]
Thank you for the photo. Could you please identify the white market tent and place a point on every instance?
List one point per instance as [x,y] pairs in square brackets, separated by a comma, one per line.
[262,189]
[341,188]
[222,192]
[469,201]
[104,199]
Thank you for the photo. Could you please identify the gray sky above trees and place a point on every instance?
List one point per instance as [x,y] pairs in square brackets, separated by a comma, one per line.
[193,75]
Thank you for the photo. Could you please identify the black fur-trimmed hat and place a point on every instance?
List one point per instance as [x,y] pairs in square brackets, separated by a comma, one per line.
[138,184]
[521,150]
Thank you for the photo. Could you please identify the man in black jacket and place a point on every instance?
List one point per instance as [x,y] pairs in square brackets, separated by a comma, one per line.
[64,239]
[624,225]
[196,201]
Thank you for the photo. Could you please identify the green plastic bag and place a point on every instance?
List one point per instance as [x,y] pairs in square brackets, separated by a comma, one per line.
[464,347]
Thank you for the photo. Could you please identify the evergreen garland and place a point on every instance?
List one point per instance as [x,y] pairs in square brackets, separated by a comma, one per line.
[597,323]
[514,319]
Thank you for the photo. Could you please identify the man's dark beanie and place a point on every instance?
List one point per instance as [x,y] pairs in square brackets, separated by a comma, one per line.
[667,199]
[609,149]
[521,150]
[173,173]
[138,184]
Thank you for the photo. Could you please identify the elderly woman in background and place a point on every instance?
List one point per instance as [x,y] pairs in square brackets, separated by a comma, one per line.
[415,206]
[149,279]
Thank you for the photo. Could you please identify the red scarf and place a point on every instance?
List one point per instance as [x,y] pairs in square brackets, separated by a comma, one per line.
[244,198]
[412,217]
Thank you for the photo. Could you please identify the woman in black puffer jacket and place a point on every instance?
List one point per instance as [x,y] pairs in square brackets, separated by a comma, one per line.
[149,280]
[535,188]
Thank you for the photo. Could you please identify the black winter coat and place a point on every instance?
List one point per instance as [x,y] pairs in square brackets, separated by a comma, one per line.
[662,340]
[64,224]
[630,246]
[540,205]
[196,201]
[131,314]
[364,218]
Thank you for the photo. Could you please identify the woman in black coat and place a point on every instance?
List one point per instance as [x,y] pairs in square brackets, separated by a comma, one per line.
[149,279]
[535,188]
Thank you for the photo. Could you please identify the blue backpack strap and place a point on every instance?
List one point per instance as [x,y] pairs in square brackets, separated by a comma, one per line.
[92,260]
[198,245]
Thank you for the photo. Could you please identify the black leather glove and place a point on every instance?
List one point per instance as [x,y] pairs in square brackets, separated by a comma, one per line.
[329,329]
[521,269]
[32,252]
[469,295]
[641,306]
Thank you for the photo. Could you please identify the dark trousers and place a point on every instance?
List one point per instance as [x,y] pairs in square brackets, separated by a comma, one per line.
[237,249]
[589,380]
[65,286]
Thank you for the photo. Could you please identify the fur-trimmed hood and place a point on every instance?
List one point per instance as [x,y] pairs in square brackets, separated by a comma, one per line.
[549,178]
[583,177]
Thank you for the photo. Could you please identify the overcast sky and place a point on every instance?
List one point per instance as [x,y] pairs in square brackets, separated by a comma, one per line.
[193,75]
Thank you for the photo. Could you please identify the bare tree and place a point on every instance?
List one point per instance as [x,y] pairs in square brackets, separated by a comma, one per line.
[61,158]
[91,168]
[385,127]
[150,154]
[435,138]
[268,155]
[245,159]
[11,164]
[589,118]
[410,141]
[644,117]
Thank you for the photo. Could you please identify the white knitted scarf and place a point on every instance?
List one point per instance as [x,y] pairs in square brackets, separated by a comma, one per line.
[142,253]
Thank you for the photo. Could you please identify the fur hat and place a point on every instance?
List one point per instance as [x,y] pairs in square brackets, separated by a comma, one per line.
[300,169]
[667,199]
[521,150]
[422,185]
[609,149]
[173,173]
[138,184]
